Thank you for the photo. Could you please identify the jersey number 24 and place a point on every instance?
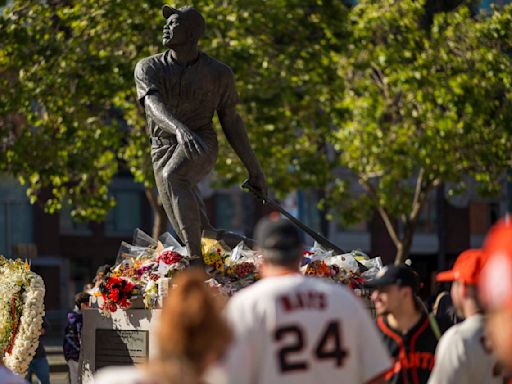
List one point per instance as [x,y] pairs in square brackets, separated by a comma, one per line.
[291,341]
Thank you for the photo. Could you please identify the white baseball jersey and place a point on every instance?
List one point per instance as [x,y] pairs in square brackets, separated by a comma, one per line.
[462,356]
[298,329]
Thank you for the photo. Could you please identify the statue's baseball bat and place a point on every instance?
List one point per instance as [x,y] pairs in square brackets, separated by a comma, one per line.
[316,236]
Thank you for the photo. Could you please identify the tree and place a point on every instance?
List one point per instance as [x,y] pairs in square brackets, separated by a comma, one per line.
[63,67]
[421,107]
[67,91]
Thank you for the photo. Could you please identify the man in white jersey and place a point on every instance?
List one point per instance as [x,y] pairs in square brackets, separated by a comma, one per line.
[290,328]
[463,355]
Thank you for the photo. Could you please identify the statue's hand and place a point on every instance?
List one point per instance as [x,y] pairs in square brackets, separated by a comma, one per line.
[193,145]
[259,183]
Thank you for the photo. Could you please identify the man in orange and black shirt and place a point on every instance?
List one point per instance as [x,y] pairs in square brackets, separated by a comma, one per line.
[404,325]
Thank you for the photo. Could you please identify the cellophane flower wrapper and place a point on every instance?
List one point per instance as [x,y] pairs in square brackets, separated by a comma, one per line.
[143,240]
[168,241]
[243,263]
[374,266]
[131,252]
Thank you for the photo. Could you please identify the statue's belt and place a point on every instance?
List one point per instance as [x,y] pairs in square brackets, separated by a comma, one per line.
[158,141]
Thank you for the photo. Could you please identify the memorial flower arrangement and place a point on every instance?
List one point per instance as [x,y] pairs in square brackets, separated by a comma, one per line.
[116,293]
[21,313]
[143,269]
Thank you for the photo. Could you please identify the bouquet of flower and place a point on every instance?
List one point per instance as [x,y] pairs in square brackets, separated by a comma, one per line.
[146,267]
[116,293]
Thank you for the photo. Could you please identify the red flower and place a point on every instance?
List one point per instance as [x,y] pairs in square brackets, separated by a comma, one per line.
[109,306]
[114,295]
[124,303]
[169,257]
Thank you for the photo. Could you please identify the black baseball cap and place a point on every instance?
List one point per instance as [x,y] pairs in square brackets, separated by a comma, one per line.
[279,240]
[401,275]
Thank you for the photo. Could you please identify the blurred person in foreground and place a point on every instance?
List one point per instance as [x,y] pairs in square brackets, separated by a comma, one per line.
[192,335]
[72,335]
[8,377]
[496,289]
[291,328]
[409,333]
[462,354]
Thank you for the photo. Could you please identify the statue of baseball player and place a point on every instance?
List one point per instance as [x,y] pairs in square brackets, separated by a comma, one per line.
[180,90]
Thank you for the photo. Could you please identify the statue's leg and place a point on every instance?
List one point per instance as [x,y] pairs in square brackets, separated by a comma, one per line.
[180,176]
[205,222]
[160,156]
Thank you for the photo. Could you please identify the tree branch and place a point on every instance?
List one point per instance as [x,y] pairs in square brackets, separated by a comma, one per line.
[384,214]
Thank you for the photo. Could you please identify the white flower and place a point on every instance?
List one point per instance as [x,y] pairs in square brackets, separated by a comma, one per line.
[16,281]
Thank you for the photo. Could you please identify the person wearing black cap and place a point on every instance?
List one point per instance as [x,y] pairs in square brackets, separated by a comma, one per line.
[409,333]
[180,91]
[291,328]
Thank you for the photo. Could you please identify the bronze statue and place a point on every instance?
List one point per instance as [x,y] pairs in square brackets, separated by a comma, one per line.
[180,89]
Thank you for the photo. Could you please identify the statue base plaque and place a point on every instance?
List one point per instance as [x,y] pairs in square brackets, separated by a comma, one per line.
[125,338]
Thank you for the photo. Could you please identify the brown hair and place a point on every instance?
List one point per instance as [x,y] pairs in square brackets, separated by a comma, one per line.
[192,329]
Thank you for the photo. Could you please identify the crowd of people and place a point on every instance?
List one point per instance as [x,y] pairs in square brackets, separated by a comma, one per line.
[291,328]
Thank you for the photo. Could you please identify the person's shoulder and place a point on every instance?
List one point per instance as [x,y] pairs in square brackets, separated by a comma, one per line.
[149,62]
[253,291]
[74,316]
[267,288]
[469,330]
[216,65]
[452,337]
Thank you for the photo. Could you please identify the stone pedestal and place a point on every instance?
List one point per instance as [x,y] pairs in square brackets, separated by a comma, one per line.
[125,338]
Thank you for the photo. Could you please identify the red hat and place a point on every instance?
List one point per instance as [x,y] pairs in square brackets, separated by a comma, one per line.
[466,269]
[496,277]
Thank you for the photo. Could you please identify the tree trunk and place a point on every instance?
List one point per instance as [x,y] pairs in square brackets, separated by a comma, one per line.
[404,250]
[160,219]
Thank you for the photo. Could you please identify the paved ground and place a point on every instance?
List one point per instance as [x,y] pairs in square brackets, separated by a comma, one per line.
[59,378]
[55,378]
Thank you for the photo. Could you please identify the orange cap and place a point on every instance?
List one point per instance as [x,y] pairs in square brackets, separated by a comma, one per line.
[496,277]
[466,269]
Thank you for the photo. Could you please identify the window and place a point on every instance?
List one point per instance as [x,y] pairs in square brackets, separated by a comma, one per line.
[16,216]
[227,211]
[126,216]
[69,226]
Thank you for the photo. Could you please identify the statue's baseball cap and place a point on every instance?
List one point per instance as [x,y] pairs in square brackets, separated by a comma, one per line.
[279,240]
[190,14]
[496,277]
[466,269]
[401,275]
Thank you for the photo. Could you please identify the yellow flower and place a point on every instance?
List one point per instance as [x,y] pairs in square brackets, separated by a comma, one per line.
[219,265]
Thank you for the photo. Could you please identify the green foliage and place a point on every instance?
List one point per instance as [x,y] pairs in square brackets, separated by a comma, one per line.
[423,107]
[412,107]
[63,68]
[67,77]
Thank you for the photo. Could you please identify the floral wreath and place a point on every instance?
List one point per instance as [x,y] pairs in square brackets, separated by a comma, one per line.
[21,314]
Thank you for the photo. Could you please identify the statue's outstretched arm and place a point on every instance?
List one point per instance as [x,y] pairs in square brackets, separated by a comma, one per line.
[234,129]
